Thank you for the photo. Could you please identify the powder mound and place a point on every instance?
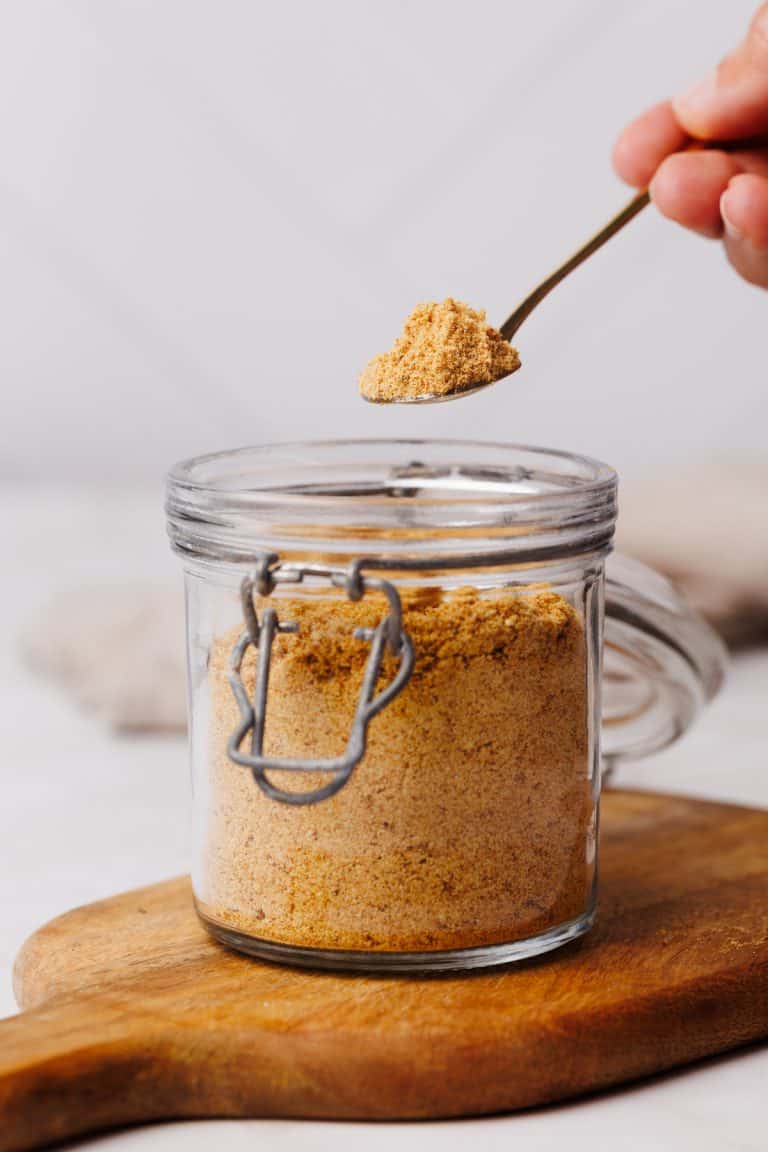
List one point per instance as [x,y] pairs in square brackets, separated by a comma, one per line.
[443,348]
[470,820]
[466,626]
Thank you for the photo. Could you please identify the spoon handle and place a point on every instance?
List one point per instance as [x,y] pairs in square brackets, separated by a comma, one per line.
[523,311]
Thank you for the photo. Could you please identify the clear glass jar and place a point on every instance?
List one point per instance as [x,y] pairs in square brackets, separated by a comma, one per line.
[397,686]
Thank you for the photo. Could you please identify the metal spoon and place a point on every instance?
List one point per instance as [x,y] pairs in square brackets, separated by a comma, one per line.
[523,310]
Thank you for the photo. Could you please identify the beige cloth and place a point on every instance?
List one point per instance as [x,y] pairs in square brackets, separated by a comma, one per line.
[118,651]
[706,528]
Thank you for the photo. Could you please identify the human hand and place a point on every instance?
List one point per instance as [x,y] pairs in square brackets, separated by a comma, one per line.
[715,193]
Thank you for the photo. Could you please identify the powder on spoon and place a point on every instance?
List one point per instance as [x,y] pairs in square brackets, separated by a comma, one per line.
[443,348]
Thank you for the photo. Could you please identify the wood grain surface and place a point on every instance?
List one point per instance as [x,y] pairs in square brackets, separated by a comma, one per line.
[131,1013]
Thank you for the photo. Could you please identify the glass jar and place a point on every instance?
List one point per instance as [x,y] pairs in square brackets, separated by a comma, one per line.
[397,688]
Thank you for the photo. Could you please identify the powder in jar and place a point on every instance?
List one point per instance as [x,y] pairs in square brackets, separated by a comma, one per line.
[443,348]
[470,820]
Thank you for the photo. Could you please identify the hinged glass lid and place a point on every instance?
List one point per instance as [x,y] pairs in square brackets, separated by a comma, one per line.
[432,498]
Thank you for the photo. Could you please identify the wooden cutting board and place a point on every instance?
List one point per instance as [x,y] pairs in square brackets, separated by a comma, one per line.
[132,1013]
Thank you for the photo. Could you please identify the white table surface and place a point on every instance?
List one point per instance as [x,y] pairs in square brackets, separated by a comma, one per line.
[85,815]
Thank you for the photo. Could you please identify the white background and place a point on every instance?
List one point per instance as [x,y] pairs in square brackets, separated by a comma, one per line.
[213,213]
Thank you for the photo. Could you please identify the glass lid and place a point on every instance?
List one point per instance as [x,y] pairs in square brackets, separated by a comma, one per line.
[402,496]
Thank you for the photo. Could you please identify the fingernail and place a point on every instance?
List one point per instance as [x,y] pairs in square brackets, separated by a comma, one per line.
[731,231]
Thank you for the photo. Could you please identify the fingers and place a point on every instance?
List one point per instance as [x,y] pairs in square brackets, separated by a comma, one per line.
[744,208]
[688,186]
[646,142]
[714,193]
[733,101]
[730,104]
[720,194]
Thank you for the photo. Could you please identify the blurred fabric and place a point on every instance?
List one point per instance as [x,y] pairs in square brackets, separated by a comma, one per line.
[117,651]
[706,527]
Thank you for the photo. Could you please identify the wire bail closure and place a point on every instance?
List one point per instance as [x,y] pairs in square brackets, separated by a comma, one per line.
[260,634]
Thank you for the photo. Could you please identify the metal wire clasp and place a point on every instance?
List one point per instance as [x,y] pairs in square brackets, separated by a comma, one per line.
[261,633]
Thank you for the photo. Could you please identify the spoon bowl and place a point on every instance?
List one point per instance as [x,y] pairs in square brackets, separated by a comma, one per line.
[435,398]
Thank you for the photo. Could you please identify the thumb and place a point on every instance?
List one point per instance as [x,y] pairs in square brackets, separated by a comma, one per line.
[744,208]
[733,101]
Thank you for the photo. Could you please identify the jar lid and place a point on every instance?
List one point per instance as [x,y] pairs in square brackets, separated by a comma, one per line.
[430,499]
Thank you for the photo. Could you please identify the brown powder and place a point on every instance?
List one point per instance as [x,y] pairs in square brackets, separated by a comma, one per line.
[470,820]
[443,348]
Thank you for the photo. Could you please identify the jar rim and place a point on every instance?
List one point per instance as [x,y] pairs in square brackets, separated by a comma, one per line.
[400,495]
